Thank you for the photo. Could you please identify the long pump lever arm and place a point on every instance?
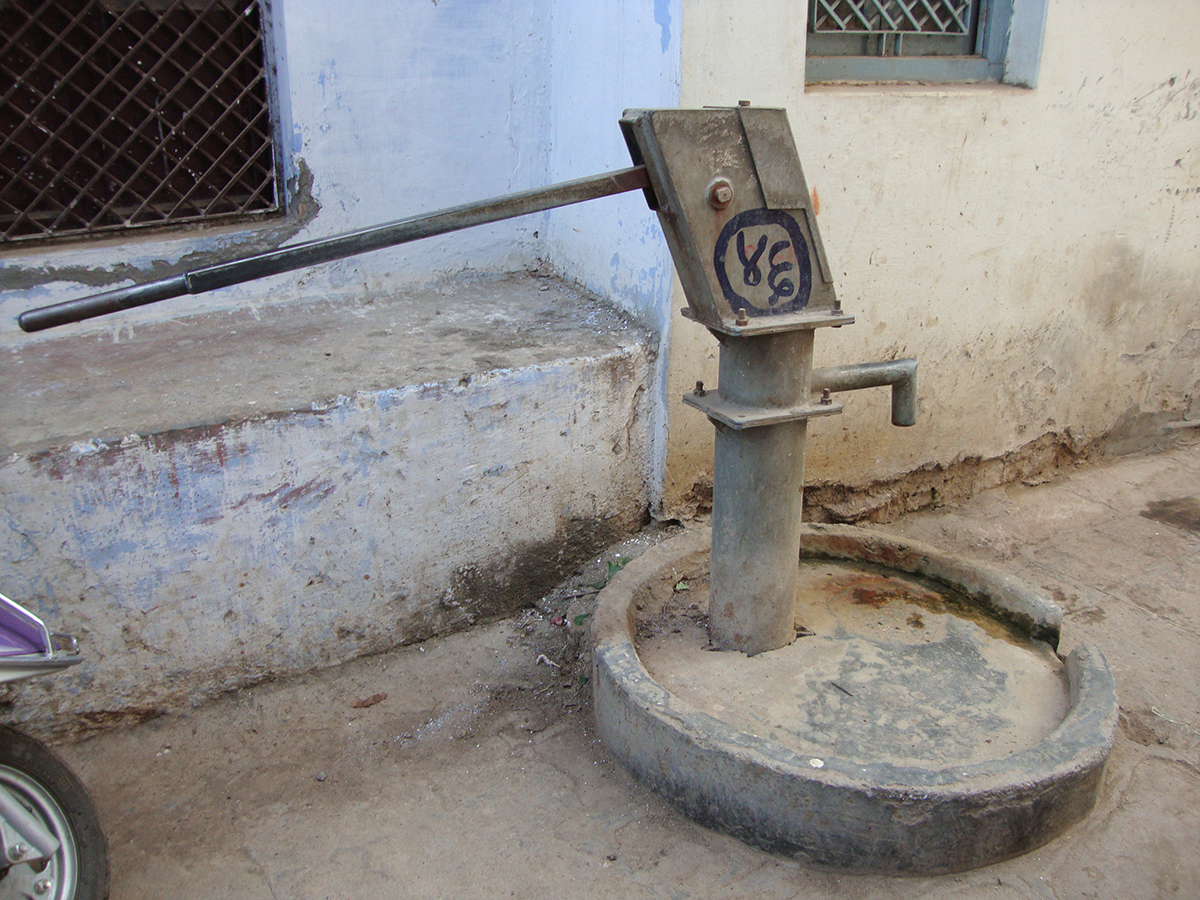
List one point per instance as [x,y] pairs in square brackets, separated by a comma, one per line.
[341,246]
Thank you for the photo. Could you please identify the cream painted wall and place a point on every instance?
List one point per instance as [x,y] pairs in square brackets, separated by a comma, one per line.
[1036,250]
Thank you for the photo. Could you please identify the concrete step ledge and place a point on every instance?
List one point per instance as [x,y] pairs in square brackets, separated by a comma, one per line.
[198,536]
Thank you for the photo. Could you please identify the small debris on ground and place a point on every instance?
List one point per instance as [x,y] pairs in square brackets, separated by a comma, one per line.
[613,566]
[369,701]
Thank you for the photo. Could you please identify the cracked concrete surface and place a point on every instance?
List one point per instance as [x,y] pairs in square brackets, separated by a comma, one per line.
[480,775]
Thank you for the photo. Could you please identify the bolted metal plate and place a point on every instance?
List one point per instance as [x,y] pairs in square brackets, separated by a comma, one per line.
[736,212]
[739,415]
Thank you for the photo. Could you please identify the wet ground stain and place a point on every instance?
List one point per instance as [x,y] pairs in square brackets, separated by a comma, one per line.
[876,587]
[1182,512]
[888,667]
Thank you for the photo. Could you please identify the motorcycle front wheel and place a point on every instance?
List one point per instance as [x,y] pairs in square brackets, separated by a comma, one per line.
[47,788]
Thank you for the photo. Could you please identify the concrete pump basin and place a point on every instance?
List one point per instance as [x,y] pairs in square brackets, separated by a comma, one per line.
[921,723]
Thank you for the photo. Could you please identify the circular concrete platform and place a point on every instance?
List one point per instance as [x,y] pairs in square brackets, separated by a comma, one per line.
[921,722]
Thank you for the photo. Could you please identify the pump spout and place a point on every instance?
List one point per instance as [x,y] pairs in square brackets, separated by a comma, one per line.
[901,374]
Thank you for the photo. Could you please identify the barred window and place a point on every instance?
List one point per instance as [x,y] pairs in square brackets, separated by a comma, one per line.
[924,40]
[893,27]
[119,114]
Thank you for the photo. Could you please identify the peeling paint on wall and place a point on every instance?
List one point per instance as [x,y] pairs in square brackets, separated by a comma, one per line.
[662,18]
[194,561]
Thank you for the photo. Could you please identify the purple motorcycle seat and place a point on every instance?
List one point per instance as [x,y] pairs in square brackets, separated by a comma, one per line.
[21,632]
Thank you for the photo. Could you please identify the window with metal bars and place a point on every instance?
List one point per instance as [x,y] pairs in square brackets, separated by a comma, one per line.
[894,27]
[119,114]
[923,40]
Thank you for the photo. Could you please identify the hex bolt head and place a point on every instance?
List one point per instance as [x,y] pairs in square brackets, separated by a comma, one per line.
[742,318]
[720,193]
[16,851]
[43,887]
[826,400]
[700,389]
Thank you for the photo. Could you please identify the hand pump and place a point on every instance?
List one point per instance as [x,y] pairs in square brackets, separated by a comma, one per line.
[733,203]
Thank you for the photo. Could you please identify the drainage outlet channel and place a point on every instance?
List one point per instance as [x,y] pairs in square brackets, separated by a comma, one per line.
[921,722]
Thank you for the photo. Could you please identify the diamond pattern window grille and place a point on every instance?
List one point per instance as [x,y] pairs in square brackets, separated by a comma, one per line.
[893,16]
[909,28]
[117,114]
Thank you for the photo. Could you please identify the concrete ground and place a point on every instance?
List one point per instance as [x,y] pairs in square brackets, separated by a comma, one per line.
[468,767]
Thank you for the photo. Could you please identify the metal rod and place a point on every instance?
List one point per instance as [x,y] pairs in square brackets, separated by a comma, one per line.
[341,246]
[901,374]
[28,827]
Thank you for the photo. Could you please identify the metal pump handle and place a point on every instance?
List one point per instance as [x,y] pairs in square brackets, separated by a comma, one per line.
[341,246]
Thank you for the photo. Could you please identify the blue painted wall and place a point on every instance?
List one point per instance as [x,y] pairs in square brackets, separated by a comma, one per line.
[398,107]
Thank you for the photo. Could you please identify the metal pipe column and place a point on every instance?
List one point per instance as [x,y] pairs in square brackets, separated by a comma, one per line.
[758,494]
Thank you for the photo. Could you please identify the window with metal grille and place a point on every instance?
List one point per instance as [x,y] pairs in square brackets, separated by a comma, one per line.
[924,40]
[117,114]
[894,27]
